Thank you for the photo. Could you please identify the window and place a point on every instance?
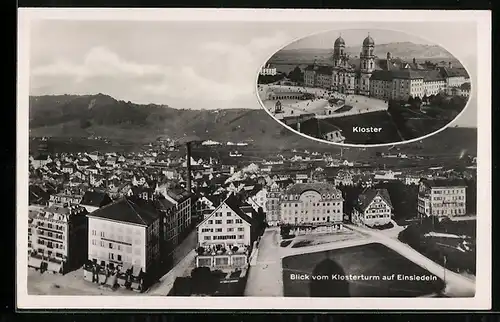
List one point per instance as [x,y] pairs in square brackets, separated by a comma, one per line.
[238,221]
[102,243]
[210,222]
[207,238]
[94,232]
[241,229]
[218,230]
[119,257]
[110,245]
[228,213]
[229,221]
[111,256]
[230,229]
[241,236]
[218,222]
[102,234]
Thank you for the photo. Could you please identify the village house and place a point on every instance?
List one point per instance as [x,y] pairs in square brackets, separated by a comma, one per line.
[373,208]
[343,178]
[58,238]
[40,160]
[225,237]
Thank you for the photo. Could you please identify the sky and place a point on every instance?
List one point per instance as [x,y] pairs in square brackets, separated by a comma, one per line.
[355,37]
[189,65]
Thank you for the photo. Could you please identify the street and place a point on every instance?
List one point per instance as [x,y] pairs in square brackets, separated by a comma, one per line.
[265,277]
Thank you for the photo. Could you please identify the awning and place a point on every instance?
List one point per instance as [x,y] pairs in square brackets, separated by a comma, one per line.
[54,266]
[34,262]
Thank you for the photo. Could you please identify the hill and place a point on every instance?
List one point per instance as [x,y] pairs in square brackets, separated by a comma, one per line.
[102,116]
[403,50]
[71,116]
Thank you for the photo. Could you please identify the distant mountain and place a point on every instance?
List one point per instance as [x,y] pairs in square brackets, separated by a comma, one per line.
[101,115]
[403,50]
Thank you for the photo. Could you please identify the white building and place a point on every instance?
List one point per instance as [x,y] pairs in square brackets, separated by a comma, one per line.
[312,203]
[442,197]
[373,208]
[268,71]
[273,205]
[125,235]
[225,236]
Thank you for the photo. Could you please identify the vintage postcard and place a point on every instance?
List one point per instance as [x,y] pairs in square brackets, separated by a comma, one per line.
[253,159]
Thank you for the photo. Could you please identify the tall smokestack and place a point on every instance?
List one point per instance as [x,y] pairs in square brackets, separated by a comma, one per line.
[188,166]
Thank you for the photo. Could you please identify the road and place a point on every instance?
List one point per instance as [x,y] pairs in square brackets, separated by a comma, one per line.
[265,277]
[456,285]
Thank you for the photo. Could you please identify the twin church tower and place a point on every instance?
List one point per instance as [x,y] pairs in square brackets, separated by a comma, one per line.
[348,78]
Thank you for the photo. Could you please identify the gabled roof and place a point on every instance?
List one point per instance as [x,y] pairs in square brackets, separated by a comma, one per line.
[95,198]
[366,198]
[234,204]
[129,210]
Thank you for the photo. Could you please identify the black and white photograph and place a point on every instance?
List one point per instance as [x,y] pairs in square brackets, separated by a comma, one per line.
[366,87]
[160,159]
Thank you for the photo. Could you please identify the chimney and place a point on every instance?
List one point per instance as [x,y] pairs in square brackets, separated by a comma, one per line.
[188,166]
[414,61]
[450,65]
[389,56]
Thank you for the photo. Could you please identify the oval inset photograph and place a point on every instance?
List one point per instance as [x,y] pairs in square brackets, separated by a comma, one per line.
[364,87]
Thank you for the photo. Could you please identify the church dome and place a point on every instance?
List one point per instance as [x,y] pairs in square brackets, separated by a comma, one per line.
[368,41]
[339,42]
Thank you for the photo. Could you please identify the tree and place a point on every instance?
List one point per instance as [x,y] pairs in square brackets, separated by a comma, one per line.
[296,75]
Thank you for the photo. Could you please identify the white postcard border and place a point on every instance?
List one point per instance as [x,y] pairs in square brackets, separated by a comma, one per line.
[482,300]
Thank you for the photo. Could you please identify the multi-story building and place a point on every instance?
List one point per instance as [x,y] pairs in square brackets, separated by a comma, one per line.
[343,178]
[442,197]
[312,204]
[58,238]
[182,200]
[268,71]
[225,236]
[273,205]
[124,237]
[389,78]
[373,208]
[318,76]
[64,198]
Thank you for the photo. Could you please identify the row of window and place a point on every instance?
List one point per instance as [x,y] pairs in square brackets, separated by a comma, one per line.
[218,230]
[377,216]
[450,191]
[319,204]
[452,198]
[115,246]
[448,205]
[448,212]
[223,237]
[229,221]
[50,244]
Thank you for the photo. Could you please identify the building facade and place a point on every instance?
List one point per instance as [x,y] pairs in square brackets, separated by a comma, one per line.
[312,204]
[124,237]
[389,78]
[225,236]
[442,198]
[58,238]
[273,205]
[373,208]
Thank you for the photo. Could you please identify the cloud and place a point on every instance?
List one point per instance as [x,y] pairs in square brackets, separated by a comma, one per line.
[212,70]
[98,62]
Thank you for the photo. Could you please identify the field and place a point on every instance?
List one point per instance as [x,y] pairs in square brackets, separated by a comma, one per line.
[371,260]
